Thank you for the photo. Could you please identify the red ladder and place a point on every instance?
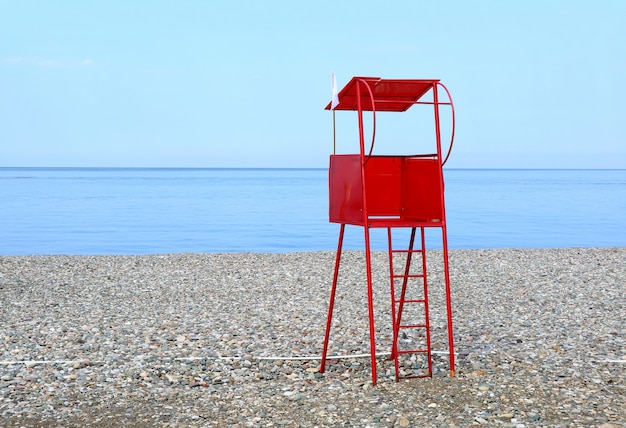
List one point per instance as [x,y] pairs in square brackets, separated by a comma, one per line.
[398,305]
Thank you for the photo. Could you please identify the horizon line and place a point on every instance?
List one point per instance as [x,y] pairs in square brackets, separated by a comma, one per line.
[290,168]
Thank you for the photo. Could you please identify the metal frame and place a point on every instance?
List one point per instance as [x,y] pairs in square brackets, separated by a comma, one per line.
[374,94]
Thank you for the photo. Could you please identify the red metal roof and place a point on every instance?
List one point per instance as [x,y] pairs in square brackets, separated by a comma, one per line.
[389,94]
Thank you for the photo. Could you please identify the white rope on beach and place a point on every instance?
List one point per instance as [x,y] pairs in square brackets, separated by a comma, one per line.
[319,357]
[296,358]
[338,357]
[33,362]
[220,357]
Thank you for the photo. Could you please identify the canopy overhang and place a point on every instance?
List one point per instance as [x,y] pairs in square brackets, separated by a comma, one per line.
[387,94]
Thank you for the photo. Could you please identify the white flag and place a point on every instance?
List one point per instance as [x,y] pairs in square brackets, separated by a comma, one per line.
[335,99]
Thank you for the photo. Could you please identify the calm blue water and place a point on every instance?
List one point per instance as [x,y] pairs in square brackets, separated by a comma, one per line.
[140,211]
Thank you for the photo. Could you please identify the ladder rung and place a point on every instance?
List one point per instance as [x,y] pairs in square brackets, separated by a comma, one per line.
[413,326]
[425,375]
[407,251]
[410,301]
[416,275]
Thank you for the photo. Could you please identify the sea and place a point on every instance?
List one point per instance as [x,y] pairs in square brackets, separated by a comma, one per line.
[91,211]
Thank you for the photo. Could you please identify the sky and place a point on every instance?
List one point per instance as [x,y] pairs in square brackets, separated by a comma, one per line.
[233,83]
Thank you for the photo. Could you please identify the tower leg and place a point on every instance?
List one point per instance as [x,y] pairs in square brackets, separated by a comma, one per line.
[370,301]
[392,289]
[426,310]
[446,268]
[332,298]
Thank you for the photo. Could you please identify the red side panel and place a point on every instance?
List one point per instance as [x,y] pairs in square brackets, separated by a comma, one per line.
[345,189]
[422,195]
[398,187]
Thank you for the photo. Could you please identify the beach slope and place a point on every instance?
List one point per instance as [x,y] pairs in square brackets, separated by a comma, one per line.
[231,340]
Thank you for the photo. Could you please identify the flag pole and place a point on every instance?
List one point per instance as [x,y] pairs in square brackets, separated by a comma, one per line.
[334,102]
[334,135]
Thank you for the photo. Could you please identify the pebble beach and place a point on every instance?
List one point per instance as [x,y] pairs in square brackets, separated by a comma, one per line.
[234,339]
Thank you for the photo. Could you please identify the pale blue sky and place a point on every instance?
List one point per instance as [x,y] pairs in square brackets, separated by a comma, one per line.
[536,84]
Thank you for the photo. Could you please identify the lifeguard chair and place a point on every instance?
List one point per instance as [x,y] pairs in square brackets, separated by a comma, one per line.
[392,191]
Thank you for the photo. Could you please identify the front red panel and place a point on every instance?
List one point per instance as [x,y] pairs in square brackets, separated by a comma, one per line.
[398,187]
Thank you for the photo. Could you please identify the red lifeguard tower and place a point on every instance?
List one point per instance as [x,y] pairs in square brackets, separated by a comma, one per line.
[392,191]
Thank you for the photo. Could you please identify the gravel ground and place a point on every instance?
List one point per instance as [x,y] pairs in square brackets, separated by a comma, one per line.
[190,340]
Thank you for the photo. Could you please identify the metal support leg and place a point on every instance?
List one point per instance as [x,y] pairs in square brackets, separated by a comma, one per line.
[370,302]
[332,298]
[426,310]
[448,299]
[392,289]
